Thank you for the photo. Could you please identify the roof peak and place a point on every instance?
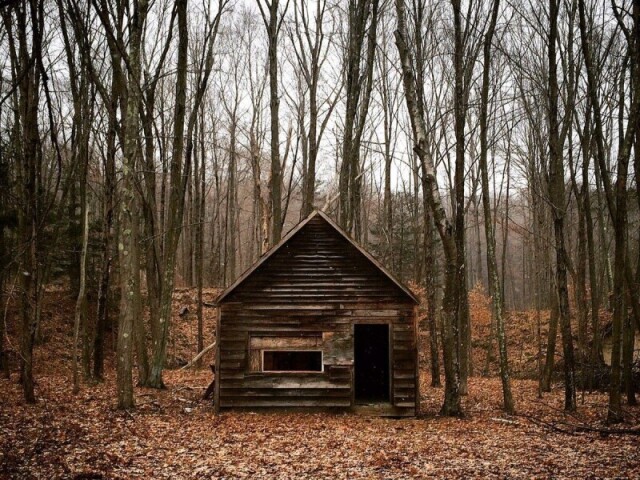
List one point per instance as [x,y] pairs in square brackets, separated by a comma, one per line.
[291,233]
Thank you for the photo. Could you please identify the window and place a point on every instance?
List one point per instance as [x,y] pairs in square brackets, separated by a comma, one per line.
[291,361]
[299,352]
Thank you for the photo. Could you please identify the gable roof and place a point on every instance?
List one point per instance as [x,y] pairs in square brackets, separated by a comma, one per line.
[269,253]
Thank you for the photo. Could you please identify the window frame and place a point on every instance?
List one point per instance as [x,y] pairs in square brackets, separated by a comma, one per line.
[262,352]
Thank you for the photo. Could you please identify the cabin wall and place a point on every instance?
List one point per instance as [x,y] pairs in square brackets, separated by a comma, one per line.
[241,386]
[316,287]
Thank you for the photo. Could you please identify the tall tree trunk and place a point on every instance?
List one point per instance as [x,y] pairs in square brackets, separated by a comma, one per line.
[128,228]
[232,200]
[603,237]
[180,172]
[479,275]
[580,277]
[617,196]
[388,205]
[106,244]
[26,56]
[81,302]
[615,414]
[139,329]
[628,338]
[4,359]
[636,287]
[460,108]
[632,138]
[178,181]
[595,360]
[557,198]
[311,63]
[259,214]
[272,24]
[451,405]
[359,84]
[552,335]
[628,327]
[492,265]
[581,283]
[4,257]
[202,215]
[430,283]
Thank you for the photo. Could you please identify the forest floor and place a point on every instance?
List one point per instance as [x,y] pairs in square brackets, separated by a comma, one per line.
[174,434]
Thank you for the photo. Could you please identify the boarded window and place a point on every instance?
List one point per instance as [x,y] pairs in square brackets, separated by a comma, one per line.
[291,361]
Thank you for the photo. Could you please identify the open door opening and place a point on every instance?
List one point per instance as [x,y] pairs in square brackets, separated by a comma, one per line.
[371,363]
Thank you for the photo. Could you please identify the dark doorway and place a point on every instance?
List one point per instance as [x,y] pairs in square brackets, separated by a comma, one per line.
[371,352]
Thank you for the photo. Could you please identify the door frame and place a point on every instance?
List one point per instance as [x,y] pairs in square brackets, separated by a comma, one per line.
[389,325]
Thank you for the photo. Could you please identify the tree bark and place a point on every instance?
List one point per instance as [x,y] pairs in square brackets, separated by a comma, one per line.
[616,197]
[106,244]
[199,264]
[272,25]
[628,338]
[179,175]
[430,276]
[460,107]
[311,59]
[176,202]
[451,405]
[26,56]
[359,84]
[4,358]
[552,335]
[495,290]
[128,246]
[595,358]
[557,198]
[81,302]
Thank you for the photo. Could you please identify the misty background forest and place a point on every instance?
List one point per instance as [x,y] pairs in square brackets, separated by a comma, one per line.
[487,153]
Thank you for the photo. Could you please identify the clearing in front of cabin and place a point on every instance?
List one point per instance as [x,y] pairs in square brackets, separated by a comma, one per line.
[173,433]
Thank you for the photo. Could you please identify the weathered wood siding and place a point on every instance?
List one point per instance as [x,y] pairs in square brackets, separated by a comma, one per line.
[316,284]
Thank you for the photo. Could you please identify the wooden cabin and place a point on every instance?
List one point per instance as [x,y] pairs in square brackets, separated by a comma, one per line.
[317,323]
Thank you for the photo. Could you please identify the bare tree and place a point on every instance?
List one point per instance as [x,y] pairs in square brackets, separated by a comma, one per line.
[180,171]
[616,197]
[464,57]
[273,23]
[451,405]
[24,23]
[128,220]
[257,75]
[311,47]
[6,217]
[495,290]
[359,66]
[557,199]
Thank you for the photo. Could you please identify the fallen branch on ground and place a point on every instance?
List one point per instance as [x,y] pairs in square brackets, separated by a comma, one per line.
[504,420]
[572,429]
[199,356]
